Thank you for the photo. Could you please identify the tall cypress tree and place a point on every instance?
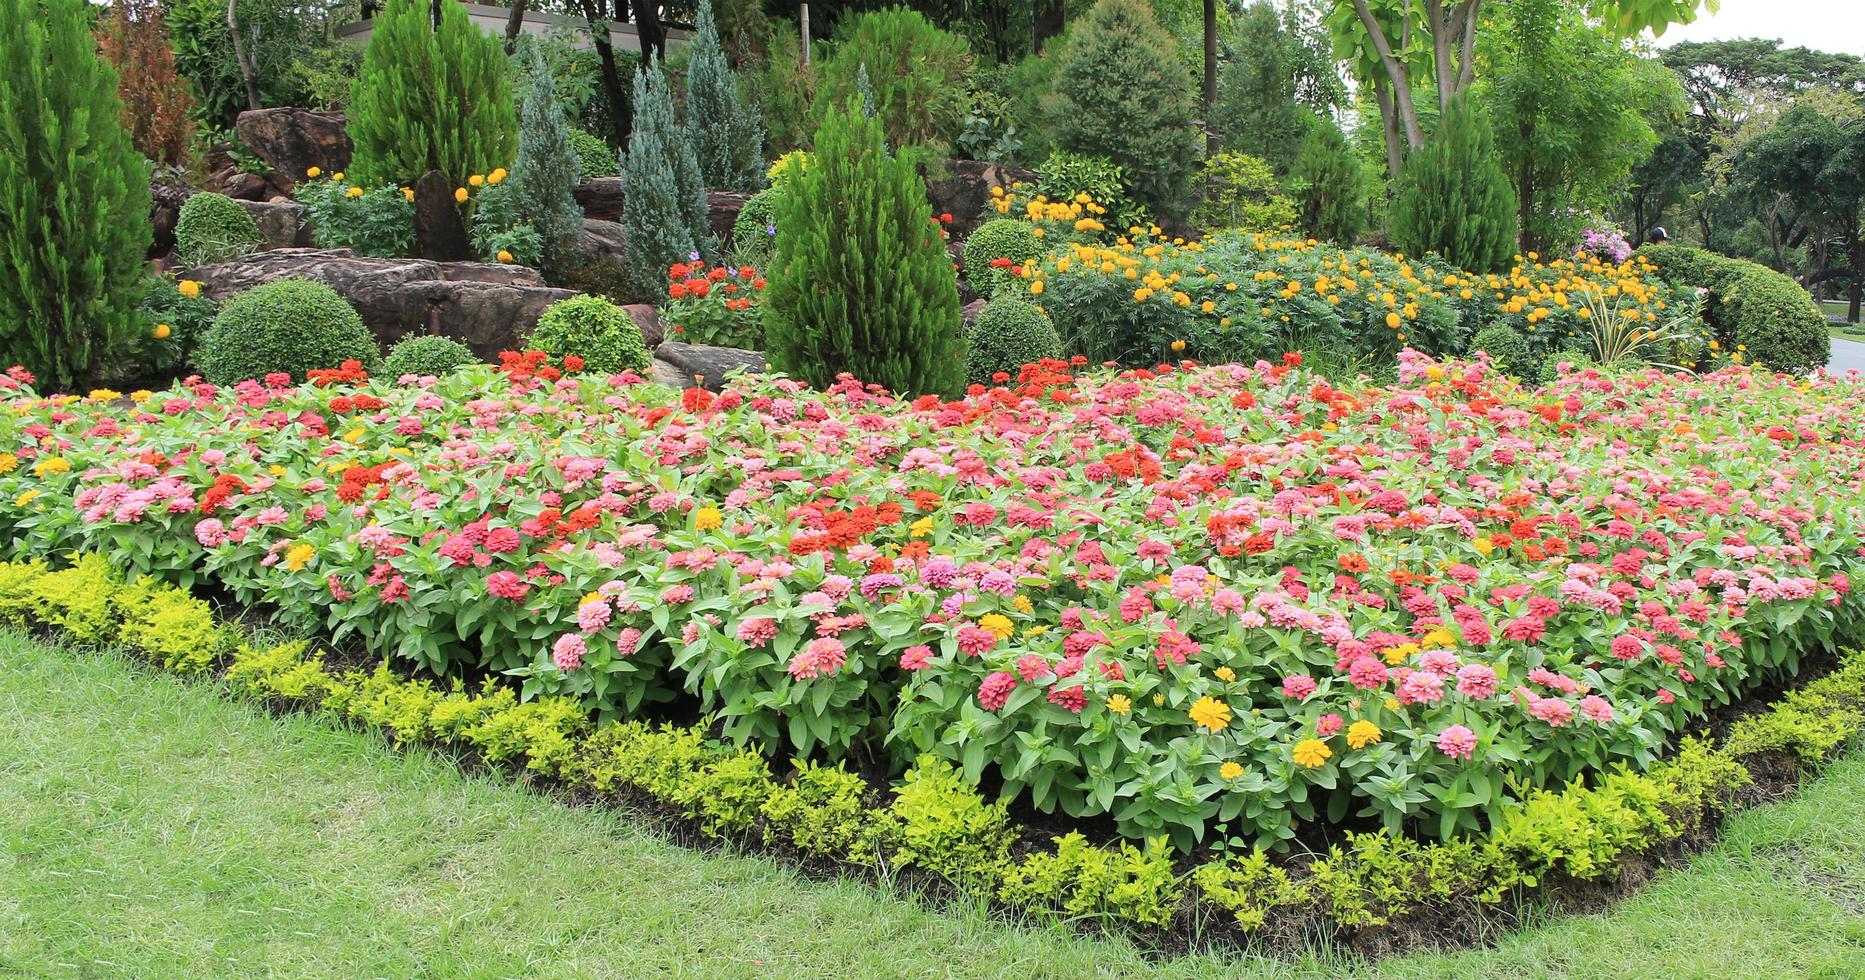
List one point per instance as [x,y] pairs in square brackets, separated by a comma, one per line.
[1327,184]
[1453,197]
[431,98]
[548,168]
[862,282]
[727,135]
[74,198]
[664,201]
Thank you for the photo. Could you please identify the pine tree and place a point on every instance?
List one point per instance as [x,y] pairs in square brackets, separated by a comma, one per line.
[861,282]
[74,198]
[727,135]
[431,99]
[1453,197]
[1328,185]
[664,209]
[547,169]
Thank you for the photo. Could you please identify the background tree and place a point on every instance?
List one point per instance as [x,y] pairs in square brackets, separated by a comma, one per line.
[548,169]
[1814,168]
[1453,197]
[1257,112]
[431,99]
[74,198]
[274,36]
[158,110]
[727,137]
[665,216]
[1328,184]
[916,71]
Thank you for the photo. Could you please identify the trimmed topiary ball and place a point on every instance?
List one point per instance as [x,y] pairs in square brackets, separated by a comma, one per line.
[996,240]
[1754,311]
[1008,334]
[593,156]
[754,231]
[594,329]
[290,326]
[214,228]
[1508,349]
[427,355]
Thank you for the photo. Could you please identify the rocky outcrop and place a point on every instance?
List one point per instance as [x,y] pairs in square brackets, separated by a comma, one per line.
[965,192]
[284,224]
[602,240]
[487,307]
[601,198]
[722,209]
[292,141]
[680,364]
[648,320]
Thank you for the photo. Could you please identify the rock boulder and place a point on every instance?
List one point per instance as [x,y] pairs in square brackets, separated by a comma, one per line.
[284,223]
[292,141]
[965,192]
[683,363]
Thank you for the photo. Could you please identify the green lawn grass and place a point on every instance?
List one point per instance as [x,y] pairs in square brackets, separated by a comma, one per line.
[152,827]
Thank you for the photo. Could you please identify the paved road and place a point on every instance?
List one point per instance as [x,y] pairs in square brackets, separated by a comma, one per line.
[1847,355]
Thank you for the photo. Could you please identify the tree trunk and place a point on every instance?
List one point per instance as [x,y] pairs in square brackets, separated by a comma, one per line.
[803,22]
[513,25]
[1389,128]
[1046,21]
[1396,74]
[653,35]
[1210,77]
[1525,192]
[249,71]
[621,117]
[433,11]
[1858,277]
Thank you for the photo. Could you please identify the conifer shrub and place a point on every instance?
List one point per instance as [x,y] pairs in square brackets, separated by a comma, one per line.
[727,135]
[546,174]
[74,199]
[594,329]
[290,326]
[665,217]
[861,282]
[1328,185]
[1008,334]
[1240,191]
[1122,92]
[1453,198]
[915,76]
[427,355]
[214,228]
[994,242]
[431,99]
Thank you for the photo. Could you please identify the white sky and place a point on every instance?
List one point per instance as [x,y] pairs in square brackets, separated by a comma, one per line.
[1823,25]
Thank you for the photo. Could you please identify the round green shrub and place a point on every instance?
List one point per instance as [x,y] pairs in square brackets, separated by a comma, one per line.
[999,238]
[427,355]
[1008,334]
[754,231]
[214,228]
[594,329]
[593,156]
[1752,309]
[291,326]
[1508,349]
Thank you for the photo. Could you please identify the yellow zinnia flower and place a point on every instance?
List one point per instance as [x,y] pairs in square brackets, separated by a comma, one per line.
[1311,752]
[1119,704]
[708,519]
[998,624]
[299,556]
[1362,733]
[1224,674]
[1210,713]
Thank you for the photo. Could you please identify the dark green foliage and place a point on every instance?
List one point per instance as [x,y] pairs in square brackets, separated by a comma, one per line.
[728,139]
[546,173]
[292,326]
[214,228]
[1257,112]
[74,198]
[1453,198]
[861,282]
[1508,349]
[594,329]
[427,355]
[186,318]
[431,100]
[754,234]
[1064,175]
[1122,92]
[1008,334]
[1753,310]
[784,89]
[1328,185]
[377,222]
[916,74]
[594,158]
[276,34]
[999,238]
[665,219]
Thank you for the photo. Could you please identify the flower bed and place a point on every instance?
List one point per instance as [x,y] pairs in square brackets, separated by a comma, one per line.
[1229,596]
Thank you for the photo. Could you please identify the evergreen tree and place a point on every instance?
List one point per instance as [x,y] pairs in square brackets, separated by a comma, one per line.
[431,99]
[727,135]
[74,198]
[1328,185]
[1453,198]
[548,168]
[861,282]
[665,211]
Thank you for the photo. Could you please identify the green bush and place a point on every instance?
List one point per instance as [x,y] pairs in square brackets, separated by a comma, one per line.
[1454,199]
[665,220]
[369,221]
[916,73]
[1063,175]
[1122,92]
[593,156]
[214,228]
[754,231]
[862,282]
[1008,334]
[999,238]
[431,99]
[728,138]
[1328,185]
[290,326]
[947,828]
[173,323]
[594,329]
[1508,349]
[1124,883]
[1753,310]
[427,355]
[1240,191]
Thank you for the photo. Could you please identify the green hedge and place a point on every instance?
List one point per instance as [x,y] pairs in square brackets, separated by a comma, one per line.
[290,326]
[1754,310]
[1008,334]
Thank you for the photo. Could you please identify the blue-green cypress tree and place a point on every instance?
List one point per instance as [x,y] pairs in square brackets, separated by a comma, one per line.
[548,168]
[664,202]
[727,134]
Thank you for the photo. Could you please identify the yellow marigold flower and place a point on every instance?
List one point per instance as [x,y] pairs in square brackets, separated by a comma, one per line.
[999,624]
[1038,233]
[1177,346]
[1393,320]
[188,288]
[299,556]
[51,465]
[504,256]
[25,498]
[354,192]
[477,180]
[313,172]
[1362,733]
[1210,713]
[1023,604]
[1230,770]
[408,192]
[460,195]
[1207,306]
[104,395]
[708,519]
[497,176]
[1224,674]
[1311,752]
[921,527]
[1036,287]
[1119,704]
[162,330]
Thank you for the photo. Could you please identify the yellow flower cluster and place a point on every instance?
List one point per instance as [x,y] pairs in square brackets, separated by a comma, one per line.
[1081,214]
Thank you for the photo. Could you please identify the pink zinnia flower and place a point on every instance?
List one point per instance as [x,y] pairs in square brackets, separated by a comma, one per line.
[975,640]
[821,657]
[1476,681]
[568,652]
[996,690]
[1072,698]
[1457,742]
[507,585]
[1329,724]
[1298,686]
[756,632]
[1367,673]
[1596,708]
[211,532]
[593,615]
[915,657]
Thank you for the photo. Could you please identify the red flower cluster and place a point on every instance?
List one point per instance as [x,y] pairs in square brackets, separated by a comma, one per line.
[350,373]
